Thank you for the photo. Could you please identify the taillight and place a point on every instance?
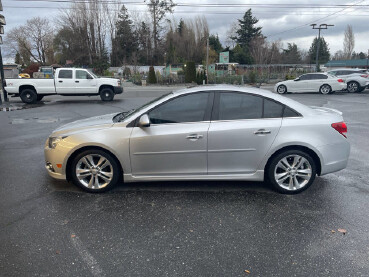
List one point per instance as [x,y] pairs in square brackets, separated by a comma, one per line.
[340,127]
[364,76]
[340,80]
[119,83]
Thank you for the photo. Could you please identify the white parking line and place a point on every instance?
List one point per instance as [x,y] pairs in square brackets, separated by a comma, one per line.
[86,256]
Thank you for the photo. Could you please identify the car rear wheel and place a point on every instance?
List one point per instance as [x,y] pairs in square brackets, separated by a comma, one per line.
[107,94]
[325,89]
[281,89]
[28,96]
[95,171]
[291,172]
[353,87]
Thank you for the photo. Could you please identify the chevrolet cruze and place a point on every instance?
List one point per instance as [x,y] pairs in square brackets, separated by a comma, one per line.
[203,133]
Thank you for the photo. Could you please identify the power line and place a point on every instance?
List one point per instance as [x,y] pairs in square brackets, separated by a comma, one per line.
[315,21]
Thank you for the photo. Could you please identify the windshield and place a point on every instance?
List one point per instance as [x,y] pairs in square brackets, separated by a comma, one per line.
[119,117]
[93,74]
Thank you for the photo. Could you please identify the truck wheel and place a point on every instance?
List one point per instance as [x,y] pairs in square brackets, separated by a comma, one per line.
[106,94]
[39,97]
[28,96]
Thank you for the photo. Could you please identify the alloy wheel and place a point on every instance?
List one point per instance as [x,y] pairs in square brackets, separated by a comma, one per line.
[94,171]
[293,172]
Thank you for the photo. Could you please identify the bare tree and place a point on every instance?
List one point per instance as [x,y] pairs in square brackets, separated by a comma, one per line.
[348,42]
[158,10]
[33,40]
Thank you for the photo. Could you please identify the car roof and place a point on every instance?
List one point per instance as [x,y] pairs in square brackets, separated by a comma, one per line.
[348,69]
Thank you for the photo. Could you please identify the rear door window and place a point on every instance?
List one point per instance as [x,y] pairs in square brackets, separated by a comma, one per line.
[65,74]
[240,106]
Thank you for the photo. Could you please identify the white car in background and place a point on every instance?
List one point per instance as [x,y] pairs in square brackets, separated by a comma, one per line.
[356,79]
[311,82]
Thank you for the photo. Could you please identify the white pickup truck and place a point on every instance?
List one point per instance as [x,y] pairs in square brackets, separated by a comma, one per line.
[68,82]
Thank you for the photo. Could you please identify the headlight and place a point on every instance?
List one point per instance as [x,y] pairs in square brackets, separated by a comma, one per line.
[53,141]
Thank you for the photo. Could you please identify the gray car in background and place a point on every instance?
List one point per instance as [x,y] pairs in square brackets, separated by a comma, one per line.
[203,133]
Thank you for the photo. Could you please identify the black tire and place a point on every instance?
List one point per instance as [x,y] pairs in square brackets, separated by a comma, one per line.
[28,96]
[353,87]
[39,97]
[281,89]
[325,89]
[361,89]
[274,169]
[107,94]
[96,170]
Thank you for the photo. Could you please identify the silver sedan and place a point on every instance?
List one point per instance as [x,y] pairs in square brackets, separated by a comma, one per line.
[203,133]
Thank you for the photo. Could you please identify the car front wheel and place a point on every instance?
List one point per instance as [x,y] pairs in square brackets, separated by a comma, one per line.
[107,94]
[291,172]
[281,89]
[95,171]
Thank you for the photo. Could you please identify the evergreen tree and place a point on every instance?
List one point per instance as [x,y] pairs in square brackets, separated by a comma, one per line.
[214,43]
[247,30]
[181,27]
[152,76]
[245,34]
[324,53]
[126,43]
[292,54]
[17,59]
[190,72]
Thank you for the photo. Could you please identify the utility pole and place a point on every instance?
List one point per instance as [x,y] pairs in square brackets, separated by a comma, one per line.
[207,61]
[321,27]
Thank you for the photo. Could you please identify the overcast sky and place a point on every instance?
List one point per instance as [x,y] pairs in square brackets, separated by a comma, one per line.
[286,20]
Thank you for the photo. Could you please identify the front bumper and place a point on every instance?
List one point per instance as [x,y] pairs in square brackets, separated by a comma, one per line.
[118,90]
[53,159]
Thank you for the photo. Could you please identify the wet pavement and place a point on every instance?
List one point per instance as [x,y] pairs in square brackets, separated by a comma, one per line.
[51,228]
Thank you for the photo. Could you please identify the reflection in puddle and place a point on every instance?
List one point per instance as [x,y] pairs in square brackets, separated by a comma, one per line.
[35,119]
[22,107]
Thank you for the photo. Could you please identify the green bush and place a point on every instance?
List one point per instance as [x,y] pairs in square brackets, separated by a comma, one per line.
[252,78]
[152,76]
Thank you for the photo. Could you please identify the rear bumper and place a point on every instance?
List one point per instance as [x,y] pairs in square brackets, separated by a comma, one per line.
[334,157]
[118,90]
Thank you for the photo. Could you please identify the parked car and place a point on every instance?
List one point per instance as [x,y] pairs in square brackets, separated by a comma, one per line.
[203,133]
[68,82]
[356,79]
[311,82]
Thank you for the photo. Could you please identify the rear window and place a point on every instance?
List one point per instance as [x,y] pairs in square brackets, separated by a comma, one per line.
[288,112]
[65,74]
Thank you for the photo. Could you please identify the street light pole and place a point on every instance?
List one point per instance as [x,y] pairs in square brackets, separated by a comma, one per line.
[321,27]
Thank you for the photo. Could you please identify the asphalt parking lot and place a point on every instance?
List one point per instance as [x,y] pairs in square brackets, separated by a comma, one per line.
[51,228]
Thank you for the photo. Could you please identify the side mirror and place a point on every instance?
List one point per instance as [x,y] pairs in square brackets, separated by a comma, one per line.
[89,77]
[144,121]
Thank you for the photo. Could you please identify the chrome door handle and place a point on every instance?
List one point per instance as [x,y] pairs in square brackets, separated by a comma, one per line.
[262,132]
[194,136]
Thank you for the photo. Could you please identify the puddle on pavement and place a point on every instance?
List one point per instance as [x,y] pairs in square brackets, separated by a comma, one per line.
[22,107]
[34,119]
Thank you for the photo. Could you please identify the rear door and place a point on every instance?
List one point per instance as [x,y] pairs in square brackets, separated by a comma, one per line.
[241,132]
[64,82]
[84,82]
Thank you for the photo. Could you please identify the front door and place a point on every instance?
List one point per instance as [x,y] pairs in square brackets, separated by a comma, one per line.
[176,141]
[242,132]
[85,83]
